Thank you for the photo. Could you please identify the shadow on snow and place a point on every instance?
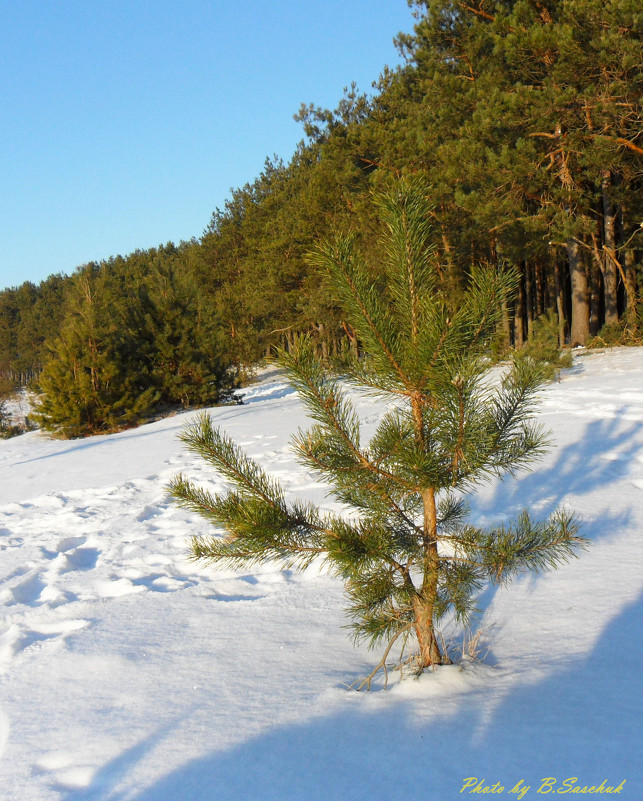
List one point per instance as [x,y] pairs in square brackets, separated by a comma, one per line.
[580,720]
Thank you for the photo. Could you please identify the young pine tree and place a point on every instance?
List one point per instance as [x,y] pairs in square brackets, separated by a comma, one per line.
[93,381]
[406,550]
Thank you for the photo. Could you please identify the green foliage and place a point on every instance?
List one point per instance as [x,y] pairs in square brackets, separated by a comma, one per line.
[9,427]
[628,331]
[523,118]
[30,316]
[94,380]
[406,549]
[4,420]
[543,346]
[138,337]
[183,340]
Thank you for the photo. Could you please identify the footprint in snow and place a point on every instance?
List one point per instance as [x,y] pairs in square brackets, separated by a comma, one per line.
[64,545]
[67,543]
[149,512]
[19,571]
[17,639]
[28,591]
[80,559]
[15,542]
[232,598]
[54,597]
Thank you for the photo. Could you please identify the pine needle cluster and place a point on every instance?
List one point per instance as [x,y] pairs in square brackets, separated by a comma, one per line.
[406,549]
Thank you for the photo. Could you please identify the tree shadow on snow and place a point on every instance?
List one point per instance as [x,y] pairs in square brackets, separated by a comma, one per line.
[269,393]
[581,720]
[601,526]
[602,456]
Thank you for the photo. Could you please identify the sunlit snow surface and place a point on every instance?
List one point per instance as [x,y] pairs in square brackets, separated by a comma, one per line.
[128,673]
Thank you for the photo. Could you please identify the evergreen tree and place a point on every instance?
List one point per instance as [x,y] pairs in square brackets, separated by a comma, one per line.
[526,118]
[182,337]
[93,381]
[406,551]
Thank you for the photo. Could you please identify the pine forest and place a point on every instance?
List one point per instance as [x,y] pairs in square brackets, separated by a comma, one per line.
[521,118]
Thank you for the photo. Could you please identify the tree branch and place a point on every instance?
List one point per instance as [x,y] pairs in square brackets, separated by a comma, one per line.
[381,665]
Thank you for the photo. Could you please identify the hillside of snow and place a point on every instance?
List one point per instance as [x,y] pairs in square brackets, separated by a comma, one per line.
[128,673]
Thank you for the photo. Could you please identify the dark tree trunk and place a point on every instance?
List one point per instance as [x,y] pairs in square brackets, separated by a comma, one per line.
[580,295]
[630,286]
[594,283]
[529,300]
[519,330]
[506,324]
[560,303]
[540,290]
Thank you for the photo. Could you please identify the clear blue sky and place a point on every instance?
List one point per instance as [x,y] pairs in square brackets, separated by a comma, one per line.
[124,123]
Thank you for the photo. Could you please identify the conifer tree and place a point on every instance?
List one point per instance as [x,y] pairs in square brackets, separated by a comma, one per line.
[406,549]
[183,339]
[91,383]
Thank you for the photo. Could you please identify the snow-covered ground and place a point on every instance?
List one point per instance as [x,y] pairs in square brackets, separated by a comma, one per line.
[17,407]
[128,673]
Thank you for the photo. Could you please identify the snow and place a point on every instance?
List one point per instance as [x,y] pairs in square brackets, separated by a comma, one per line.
[17,407]
[128,673]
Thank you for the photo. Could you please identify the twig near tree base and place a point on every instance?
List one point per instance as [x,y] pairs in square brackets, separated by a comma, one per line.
[381,665]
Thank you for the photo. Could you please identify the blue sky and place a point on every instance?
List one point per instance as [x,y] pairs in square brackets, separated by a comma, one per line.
[124,124]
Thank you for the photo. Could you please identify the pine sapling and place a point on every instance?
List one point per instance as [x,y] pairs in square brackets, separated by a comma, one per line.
[406,549]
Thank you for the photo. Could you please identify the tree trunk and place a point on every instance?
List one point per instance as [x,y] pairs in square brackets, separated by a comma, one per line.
[424,600]
[630,286]
[429,650]
[629,265]
[540,289]
[593,286]
[560,304]
[506,325]
[452,273]
[609,260]
[352,338]
[519,333]
[580,295]
[529,300]
[324,342]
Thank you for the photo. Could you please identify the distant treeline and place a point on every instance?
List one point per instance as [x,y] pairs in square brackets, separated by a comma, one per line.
[524,119]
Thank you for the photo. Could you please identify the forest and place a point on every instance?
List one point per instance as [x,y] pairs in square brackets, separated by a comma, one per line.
[523,120]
